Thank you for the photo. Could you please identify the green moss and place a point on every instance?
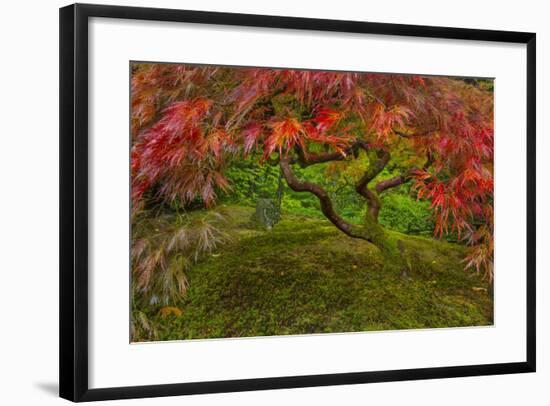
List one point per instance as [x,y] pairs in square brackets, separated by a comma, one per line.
[304,276]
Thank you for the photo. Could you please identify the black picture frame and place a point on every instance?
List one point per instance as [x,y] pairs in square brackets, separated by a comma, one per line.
[73,252]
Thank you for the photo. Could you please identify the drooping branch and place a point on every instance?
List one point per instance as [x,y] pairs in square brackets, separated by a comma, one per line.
[327,207]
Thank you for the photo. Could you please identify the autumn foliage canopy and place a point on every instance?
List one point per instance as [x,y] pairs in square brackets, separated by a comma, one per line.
[188,122]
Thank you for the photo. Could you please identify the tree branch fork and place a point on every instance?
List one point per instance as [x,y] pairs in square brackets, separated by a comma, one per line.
[378,159]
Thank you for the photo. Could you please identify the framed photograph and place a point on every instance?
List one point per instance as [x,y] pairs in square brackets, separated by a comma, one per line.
[257,202]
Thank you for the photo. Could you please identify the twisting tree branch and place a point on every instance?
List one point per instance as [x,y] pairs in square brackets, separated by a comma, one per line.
[393,182]
[326,203]
[420,134]
[376,166]
[306,158]
[403,178]
[378,160]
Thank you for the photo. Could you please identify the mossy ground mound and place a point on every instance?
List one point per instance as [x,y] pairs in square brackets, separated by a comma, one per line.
[304,276]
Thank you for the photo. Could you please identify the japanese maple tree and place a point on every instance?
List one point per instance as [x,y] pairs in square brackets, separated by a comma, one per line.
[188,122]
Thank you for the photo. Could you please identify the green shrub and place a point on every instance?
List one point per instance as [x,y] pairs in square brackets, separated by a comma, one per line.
[402,213]
[252,181]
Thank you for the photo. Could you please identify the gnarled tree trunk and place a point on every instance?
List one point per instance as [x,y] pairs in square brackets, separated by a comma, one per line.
[370,230]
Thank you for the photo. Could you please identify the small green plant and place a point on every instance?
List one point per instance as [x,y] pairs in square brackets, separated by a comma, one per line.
[165,247]
[141,327]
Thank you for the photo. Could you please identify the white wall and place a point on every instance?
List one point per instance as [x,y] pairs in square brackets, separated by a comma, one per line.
[28,202]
